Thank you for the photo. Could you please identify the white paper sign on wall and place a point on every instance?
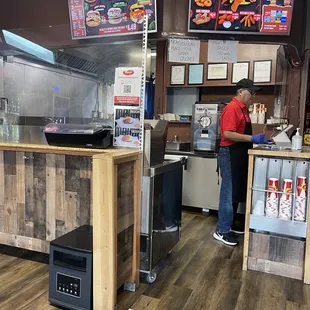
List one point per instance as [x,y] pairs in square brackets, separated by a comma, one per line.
[222,51]
[184,51]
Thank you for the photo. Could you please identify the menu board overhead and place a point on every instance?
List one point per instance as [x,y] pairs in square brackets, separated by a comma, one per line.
[262,17]
[97,18]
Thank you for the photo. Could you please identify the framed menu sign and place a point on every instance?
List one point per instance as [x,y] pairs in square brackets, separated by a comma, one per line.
[262,17]
[97,18]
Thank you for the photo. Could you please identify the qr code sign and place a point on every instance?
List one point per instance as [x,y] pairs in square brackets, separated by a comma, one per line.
[127,89]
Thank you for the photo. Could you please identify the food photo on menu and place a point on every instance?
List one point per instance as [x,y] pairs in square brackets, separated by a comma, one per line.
[257,16]
[108,17]
[244,15]
[126,118]
[203,14]
[127,127]
[127,137]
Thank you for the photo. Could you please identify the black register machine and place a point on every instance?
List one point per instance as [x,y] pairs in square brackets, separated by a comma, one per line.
[94,135]
[70,276]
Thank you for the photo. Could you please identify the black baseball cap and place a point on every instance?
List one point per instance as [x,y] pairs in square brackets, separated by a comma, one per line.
[249,85]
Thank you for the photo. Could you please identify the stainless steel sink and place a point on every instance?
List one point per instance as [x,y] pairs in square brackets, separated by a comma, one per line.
[178,146]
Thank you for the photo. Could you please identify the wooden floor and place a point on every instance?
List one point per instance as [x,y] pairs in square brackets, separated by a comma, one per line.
[199,274]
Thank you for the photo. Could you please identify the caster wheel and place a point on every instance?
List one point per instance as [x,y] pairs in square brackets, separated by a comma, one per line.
[151,278]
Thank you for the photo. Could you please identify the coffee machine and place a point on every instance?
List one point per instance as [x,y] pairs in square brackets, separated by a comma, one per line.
[206,126]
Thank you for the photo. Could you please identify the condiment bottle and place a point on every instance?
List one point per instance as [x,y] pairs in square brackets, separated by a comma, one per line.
[307,137]
[297,141]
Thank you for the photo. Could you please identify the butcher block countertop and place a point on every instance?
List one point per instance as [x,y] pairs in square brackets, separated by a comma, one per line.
[305,154]
[41,148]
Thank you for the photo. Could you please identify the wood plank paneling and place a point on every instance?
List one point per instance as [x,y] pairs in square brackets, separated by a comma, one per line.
[29,203]
[24,242]
[51,197]
[85,167]
[125,189]
[60,187]
[39,195]
[21,219]
[259,246]
[124,254]
[20,175]
[72,176]
[285,250]
[10,163]
[10,214]
[71,205]
[276,255]
[125,223]
[84,209]
[44,196]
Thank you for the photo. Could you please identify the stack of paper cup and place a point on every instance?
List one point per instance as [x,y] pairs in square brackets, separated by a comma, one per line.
[285,210]
[259,208]
[261,114]
[271,208]
[254,114]
[301,197]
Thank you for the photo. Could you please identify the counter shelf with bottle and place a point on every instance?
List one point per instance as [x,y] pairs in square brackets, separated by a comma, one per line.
[277,237]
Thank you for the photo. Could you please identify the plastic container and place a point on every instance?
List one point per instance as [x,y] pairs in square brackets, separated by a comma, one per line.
[297,141]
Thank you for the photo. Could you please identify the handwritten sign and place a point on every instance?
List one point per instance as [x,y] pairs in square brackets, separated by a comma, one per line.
[222,51]
[184,51]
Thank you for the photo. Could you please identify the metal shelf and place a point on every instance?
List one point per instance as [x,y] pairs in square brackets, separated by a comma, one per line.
[270,191]
[279,226]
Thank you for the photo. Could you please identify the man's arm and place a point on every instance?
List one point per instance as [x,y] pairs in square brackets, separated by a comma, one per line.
[237,137]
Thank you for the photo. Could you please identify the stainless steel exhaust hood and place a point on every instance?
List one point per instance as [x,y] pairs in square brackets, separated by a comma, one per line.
[97,60]
[101,60]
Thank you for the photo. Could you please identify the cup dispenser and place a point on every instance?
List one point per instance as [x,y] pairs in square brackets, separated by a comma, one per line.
[280,195]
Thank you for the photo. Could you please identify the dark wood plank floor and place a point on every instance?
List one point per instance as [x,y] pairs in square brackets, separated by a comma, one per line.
[199,274]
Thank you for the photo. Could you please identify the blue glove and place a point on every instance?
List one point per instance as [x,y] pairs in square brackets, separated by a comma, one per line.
[259,139]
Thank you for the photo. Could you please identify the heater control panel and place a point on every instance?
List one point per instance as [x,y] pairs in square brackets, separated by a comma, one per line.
[68,285]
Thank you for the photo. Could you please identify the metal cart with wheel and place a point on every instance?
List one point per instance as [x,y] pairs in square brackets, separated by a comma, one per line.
[161,214]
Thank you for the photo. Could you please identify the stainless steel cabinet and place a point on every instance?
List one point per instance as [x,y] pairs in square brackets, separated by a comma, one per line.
[160,215]
[201,186]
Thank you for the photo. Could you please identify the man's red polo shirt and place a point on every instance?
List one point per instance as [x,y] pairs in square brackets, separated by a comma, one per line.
[232,119]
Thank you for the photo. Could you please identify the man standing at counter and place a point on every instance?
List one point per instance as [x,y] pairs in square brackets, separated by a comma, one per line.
[236,140]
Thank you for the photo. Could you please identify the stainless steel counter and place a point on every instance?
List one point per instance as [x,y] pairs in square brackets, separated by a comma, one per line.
[22,134]
[195,154]
[160,214]
[201,183]
[166,166]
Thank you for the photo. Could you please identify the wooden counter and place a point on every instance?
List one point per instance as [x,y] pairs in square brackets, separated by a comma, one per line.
[285,249]
[47,191]
[305,154]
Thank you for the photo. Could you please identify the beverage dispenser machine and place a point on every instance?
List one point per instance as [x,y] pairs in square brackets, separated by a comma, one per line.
[206,126]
